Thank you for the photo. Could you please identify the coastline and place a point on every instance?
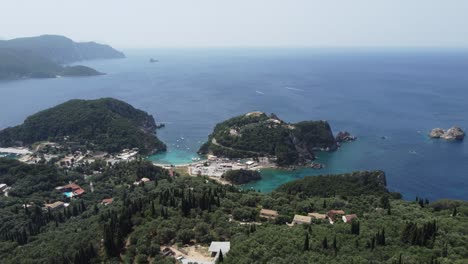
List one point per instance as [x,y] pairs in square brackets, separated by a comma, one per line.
[17,151]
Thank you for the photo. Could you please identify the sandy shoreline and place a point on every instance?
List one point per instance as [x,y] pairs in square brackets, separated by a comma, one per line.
[20,151]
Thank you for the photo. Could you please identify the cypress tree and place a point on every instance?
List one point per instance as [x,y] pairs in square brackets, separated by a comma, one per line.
[306,242]
[325,243]
[221,258]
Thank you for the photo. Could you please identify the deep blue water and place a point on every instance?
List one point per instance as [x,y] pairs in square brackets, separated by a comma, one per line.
[394,93]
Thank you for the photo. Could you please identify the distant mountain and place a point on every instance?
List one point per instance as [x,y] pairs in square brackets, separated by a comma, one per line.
[44,57]
[104,124]
[257,134]
[62,50]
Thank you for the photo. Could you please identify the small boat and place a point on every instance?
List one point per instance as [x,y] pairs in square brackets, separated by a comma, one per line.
[153,60]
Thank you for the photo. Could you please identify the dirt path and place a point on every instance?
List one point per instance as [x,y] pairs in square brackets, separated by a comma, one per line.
[214,142]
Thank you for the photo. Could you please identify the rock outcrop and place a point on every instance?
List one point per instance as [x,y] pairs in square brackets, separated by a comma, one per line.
[344,137]
[436,133]
[453,133]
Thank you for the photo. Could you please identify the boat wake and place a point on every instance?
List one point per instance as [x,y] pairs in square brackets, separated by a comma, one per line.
[293,89]
[259,92]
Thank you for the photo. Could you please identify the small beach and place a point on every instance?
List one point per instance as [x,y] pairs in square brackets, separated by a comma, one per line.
[16,151]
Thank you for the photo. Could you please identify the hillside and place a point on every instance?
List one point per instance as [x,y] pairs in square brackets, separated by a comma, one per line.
[257,134]
[350,184]
[62,50]
[103,124]
[188,212]
[44,57]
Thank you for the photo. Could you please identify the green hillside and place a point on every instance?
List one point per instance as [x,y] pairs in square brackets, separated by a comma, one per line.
[62,50]
[257,134]
[45,56]
[103,124]
[194,211]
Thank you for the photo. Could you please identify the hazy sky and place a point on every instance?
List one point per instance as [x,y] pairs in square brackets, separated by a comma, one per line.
[154,23]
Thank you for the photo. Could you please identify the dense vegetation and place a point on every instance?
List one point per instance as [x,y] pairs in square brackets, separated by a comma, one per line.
[42,57]
[104,124]
[79,70]
[256,134]
[186,210]
[242,176]
[352,184]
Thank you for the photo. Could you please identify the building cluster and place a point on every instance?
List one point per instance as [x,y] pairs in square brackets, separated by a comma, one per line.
[71,190]
[331,216]
[216,167]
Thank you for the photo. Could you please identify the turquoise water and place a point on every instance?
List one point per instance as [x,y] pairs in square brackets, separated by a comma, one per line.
[399,94]
[174,157]
[342,161]
[8,155]
[68,194]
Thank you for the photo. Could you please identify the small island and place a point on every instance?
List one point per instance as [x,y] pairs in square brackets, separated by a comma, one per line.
[257,134]
[452,134]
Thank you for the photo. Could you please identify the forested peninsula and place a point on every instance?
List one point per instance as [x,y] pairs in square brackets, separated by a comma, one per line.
[49,56]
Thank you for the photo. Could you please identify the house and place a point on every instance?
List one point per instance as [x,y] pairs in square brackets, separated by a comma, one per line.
[141,181]
[3,187]
[217,246]
[318,216]
[332,215]
[301,219]
[269,214]
[107,201]
[250,163]
[167,252]
[349,218]
[54,206]
[71,190]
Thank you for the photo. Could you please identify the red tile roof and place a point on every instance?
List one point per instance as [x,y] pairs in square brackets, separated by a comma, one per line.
[78,191]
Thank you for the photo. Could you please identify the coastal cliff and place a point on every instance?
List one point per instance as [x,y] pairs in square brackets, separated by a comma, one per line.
[259,135]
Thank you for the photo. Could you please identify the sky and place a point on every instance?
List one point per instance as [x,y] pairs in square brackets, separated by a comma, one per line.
[224,23]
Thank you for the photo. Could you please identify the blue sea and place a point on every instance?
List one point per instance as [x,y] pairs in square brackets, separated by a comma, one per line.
[396,94]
